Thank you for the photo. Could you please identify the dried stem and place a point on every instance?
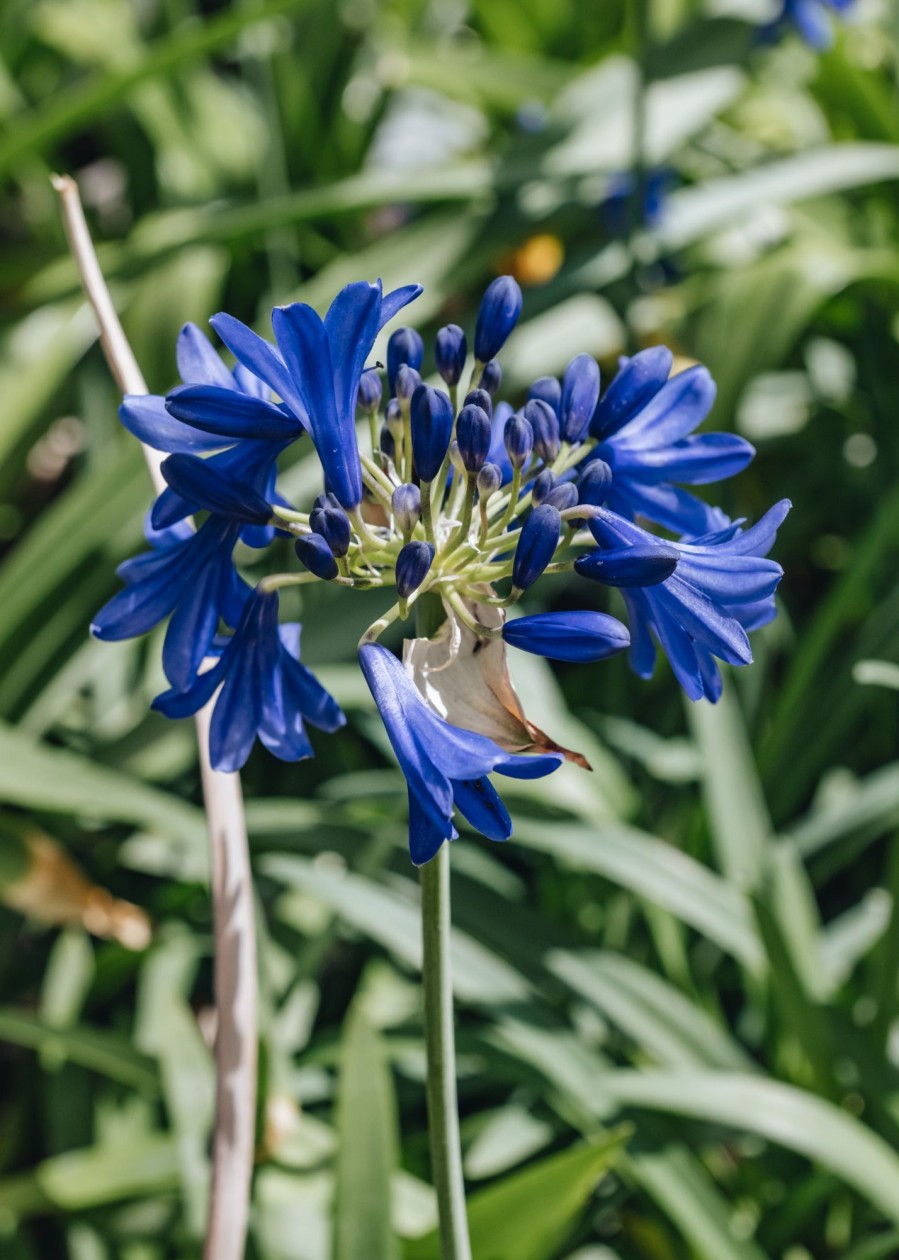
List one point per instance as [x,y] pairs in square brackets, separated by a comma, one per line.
[231,882]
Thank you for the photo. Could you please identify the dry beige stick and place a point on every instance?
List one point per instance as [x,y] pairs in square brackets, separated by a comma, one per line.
[231,881]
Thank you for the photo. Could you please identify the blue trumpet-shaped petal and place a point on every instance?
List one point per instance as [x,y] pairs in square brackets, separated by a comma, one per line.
[645,426]
[632,565]
[224,412]
[316,370]
[568,636]
[192,578]
[637,381]
[199,482]
[444,766]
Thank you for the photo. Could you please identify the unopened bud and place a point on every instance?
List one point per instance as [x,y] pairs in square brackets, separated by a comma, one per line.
[479,398]
[519,440]
[412,565]
[537,543]
[548,390]
[580,394]
[369,397]
[497,316]
[432,427]
[490,478]
[473,434]
[332,523]
[317,556]
[450,350]
[562,496]
[406,505]
[542,487]
[544,422]
[491,377]
[407,382]
[404,346]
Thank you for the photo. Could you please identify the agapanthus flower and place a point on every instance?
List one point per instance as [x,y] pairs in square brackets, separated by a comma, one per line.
[644,429]
[265,691]
[445,767]
[723,586]
[458,499]
[317,368]
[157,421]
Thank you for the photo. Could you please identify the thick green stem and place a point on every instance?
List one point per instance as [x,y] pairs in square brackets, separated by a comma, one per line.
[443,1106]
[443,1109]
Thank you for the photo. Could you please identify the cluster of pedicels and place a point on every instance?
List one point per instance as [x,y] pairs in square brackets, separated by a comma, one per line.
[453,495]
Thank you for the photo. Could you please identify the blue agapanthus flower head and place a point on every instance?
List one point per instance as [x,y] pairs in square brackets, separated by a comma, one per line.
[456,496]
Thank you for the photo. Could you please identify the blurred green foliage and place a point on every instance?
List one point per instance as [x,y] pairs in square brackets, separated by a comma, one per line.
[700,940]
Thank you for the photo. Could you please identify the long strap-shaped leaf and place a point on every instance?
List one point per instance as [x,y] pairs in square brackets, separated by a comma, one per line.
[232,890]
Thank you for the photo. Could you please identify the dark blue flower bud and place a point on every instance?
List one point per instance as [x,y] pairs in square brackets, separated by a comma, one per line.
[432,428]
[317,556]
[369,396]
[332,524]
[404,346]
[518,437]
[594,483]
[537,543]
[629,566]
[406,505]
[562,496]
[497,316]
[490,478]
[387,443]
[412,565]
[480,398]
[450,350]
[542,486]
[580,394]
[544,422]
[473,434]
[492,377]
[548,390]
[407,382]
[568,636]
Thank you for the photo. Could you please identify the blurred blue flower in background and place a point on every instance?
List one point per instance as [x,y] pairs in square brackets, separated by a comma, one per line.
[813,19]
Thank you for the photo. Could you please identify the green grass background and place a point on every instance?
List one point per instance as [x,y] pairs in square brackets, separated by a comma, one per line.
[677,985]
